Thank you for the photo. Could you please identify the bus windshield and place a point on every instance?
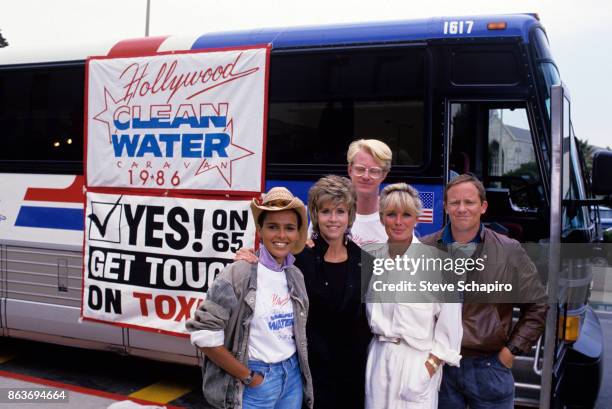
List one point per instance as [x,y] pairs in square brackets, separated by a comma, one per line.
[546,66]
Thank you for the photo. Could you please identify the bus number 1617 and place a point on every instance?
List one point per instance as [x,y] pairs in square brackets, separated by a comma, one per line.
[458,27]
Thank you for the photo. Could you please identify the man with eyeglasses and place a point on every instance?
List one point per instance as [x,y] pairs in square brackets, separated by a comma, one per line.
[369,162]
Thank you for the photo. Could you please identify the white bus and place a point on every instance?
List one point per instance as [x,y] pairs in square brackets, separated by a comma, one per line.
[479,94]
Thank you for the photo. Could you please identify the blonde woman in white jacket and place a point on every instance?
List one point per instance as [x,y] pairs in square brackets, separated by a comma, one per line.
[412,340]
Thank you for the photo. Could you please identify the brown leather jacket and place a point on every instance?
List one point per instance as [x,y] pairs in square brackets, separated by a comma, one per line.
[488,327]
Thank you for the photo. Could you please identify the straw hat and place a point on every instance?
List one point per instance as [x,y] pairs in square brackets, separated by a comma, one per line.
[278,199]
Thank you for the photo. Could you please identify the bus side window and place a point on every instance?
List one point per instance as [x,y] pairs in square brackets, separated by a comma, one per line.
[321,101]
[41,118]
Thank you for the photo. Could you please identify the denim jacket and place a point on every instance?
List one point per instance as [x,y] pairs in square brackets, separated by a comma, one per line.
[229,307]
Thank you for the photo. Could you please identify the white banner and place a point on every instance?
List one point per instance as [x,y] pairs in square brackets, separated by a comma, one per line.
[149,260]
[182,121]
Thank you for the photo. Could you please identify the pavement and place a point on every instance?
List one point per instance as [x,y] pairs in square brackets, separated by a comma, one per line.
[88,398]
[77,397]
[99,377]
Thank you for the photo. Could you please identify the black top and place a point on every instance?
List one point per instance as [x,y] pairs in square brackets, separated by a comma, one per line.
[334,281]
[337,330]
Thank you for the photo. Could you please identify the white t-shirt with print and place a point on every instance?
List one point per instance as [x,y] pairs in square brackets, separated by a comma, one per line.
[271,334]
[367,229]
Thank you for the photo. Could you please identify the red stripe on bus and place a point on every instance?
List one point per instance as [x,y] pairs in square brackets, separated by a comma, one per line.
[71,194]
[136,47]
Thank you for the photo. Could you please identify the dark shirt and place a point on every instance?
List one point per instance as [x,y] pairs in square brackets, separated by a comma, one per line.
[447,235]
[337,329]
[334,282]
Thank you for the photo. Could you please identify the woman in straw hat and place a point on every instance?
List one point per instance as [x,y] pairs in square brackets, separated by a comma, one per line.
[412,338]
[252,325]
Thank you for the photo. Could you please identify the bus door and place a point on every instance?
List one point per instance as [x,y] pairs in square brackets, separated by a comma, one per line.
[498,142]
[570,324]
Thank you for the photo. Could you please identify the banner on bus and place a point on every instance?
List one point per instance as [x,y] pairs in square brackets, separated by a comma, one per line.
[190,121]
[148,261]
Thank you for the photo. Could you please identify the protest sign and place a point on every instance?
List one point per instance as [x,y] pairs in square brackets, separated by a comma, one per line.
[148,261]
[181,121]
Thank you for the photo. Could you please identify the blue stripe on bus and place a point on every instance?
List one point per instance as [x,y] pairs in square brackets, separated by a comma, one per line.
[50,218]
[518,25]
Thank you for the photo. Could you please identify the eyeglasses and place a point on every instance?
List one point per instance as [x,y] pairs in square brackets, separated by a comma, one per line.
[375,173]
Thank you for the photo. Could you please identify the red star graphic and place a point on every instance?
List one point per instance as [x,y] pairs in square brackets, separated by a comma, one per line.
[221,164]
[106,115]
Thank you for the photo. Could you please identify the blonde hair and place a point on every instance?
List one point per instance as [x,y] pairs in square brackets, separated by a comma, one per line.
[400,196]
[379,150]
[335,189]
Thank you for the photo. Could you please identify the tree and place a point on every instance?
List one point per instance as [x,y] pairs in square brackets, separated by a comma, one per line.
[587,153]
[3,42]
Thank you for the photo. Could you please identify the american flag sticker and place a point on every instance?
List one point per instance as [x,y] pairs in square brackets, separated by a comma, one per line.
[427,199]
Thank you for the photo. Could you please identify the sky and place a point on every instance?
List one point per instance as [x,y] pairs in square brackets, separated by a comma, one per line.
[579,31]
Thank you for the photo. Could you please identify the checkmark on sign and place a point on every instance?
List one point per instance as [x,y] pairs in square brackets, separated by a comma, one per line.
[105,221]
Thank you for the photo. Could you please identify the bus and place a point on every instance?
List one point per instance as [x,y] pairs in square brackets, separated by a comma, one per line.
[478,94]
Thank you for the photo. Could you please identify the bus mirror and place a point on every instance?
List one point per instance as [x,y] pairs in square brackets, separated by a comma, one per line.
[602,169]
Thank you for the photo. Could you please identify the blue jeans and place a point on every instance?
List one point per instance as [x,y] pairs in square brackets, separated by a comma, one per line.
[280,389]
[481,383]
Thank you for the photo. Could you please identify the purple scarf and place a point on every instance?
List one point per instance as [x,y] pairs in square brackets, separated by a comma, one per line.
[269,261]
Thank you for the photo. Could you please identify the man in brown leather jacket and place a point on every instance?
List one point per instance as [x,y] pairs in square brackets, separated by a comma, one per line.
[489,345]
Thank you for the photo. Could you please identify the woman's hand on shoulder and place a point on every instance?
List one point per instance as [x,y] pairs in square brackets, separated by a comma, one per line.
[246,254]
